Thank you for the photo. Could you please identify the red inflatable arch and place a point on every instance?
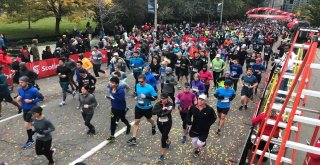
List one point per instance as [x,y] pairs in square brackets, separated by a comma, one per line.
[272,13]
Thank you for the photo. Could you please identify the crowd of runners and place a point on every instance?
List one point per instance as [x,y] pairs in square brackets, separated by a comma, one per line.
[178,67]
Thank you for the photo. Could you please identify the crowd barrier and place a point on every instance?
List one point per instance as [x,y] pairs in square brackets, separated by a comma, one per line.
[48,67]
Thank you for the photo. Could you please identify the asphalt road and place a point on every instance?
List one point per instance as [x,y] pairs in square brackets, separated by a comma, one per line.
[71,141]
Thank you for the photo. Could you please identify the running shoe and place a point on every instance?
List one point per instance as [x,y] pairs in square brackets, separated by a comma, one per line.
[245,107]
[240,108]
[132,141]
[218,131]
[53,151]
[19,110]
[183,139]
[62,103]
[74,93]
[128,130]
[28,144]
[161,159]
[168,145]
[196,154]
[111,139]
[154,130]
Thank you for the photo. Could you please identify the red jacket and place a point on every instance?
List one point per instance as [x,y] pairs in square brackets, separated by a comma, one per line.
[314,158]
[205,77]
[261,119]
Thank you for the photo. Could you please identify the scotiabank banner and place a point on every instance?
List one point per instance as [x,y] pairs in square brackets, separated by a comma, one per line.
[48,67]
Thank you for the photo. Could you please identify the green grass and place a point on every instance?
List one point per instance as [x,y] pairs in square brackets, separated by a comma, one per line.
[44,28]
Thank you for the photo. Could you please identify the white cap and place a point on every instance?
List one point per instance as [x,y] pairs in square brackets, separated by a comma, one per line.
[176,45]
[203,96]
[115,54]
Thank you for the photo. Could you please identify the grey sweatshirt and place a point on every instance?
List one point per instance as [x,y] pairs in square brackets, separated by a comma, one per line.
[43,129]
[90,100]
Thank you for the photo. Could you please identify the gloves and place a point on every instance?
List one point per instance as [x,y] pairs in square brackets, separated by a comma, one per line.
[220,97]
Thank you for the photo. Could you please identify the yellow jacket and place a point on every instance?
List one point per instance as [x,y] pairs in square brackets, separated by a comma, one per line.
[86,64]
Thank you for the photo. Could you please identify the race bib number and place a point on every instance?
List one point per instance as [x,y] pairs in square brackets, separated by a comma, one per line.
[216,68]
[195,70]
[246,84]
[225,100]
[178,65]
[234,73]
[163,119]
[108,51]
[94,58]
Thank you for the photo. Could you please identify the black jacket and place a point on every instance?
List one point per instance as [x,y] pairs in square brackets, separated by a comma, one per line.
[202,120]
[157,110]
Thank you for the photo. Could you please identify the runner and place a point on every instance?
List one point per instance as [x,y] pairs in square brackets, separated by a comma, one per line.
[5,93]
[248,83]
[87,104]
[43,128]
[206,77]
[185,99]
[145,94]
[224,97]
[85,62]
[200,117]
[236,71]
[226,76]
[86,79]
[258,69]
[29,96]
[137,65]
[197,86]
[218,66]
[97,57]
[150,79]
[267,54]
[163,110]
[184,72]
[72,66]
[168,82]
[63,71]
[118,107]
[196,65]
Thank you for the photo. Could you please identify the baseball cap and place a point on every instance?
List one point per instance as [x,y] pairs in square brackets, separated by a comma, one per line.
[228,82]
[186,85]
[36,109]
[24,79]
[218,55]
[115,54]
[203,96]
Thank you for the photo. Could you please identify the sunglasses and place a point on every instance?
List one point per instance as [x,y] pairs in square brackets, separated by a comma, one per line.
[141,81]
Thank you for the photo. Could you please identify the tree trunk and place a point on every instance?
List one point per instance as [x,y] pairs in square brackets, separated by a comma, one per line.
[58,20]
[29,22]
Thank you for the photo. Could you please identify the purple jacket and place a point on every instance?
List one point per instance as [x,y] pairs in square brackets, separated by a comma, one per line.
[198,85]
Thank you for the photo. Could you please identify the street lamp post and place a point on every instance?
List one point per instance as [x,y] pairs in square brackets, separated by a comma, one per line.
[155,15]
[221,12]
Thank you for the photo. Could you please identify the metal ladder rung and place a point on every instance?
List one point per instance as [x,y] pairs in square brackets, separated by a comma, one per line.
[312,93]
[307,120]
[286,93]
[313,65]
[304,46]
[279,106]
[274,157]
[291,77]
[281,125]
[303,147]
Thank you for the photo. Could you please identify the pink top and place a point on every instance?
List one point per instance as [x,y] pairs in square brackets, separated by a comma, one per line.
[186,100]
[205,77]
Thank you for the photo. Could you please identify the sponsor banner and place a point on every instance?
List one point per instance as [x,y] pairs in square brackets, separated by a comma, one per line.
[48,67]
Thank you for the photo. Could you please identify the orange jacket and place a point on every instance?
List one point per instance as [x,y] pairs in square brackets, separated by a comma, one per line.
[86,63]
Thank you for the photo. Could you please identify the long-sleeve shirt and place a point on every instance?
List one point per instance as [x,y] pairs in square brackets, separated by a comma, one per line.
[150,79]
[217,65]
[198,85]
[163,115]
[90,100]
[43,128]
[29,93]
[86,64]
[235,71]
[168,81]
[119,99]
[4,85]
[205,77]
[202,119]
[186,99]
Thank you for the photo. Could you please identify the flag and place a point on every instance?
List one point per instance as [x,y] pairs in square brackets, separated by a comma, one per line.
[219,7]
[151,6]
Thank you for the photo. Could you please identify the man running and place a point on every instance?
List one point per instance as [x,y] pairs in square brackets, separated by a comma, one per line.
[118,106]
[5,93]
[224,97]
[145,94]
[29,96]
[218,66]
[258,69]
[248,83]
[43,128]
[200,117]
[63,72]
[236,71]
